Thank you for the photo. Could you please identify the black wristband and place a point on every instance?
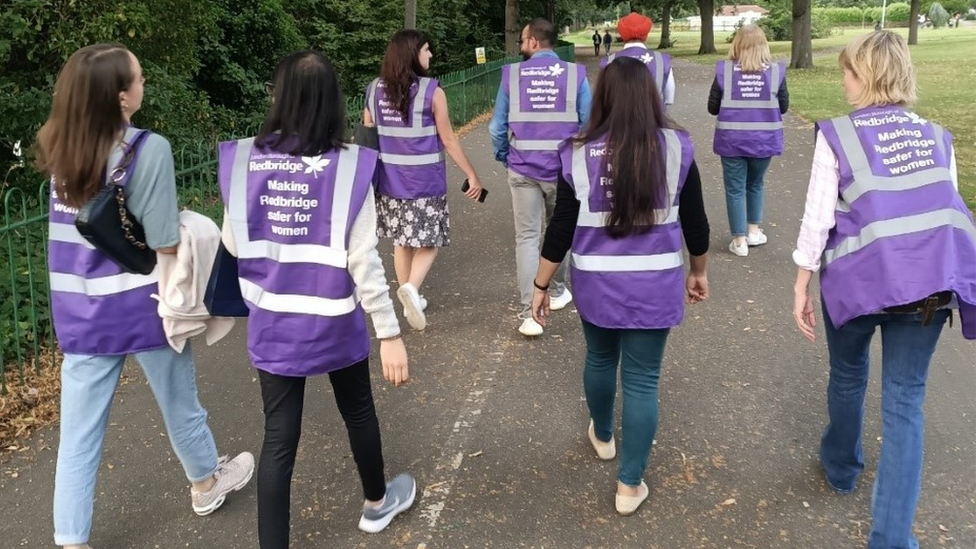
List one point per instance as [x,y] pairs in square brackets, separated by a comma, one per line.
[537,287]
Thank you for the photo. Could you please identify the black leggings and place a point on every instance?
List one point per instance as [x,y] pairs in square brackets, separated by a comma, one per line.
[283,401]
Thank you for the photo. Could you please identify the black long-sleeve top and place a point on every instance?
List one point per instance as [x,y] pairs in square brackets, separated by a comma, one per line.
[691,213]
[715,98]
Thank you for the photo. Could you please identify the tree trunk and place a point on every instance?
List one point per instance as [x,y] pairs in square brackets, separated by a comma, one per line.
[913,22]
[551,13]
[410,14]
[707,10]
[512,30]
[802,47]
[665,26]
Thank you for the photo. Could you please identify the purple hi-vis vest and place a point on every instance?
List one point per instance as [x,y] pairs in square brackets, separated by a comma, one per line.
[749,122]
[902,232]
[634,282]
[291,217]
[658,63]
[542,94]
[411,153]
[97,308]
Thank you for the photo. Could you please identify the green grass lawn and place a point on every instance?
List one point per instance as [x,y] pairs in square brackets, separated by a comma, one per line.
[943,60]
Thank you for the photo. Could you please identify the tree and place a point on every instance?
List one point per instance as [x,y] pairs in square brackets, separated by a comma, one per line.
[513,31]
[802,45]
[913,22]
[410,14]
[707,8]
[665,26]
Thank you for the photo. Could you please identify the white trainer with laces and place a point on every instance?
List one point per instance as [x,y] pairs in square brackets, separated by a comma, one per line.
[741,250]
[560,301]
[231,476]
[530,328]
[756,239]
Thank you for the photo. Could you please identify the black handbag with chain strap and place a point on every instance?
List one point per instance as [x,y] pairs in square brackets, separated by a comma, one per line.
[107,224]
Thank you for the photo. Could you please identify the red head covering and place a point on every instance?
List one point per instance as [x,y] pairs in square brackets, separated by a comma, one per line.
[634,27]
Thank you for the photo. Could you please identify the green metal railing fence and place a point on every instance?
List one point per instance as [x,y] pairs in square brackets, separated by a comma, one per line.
[26,330]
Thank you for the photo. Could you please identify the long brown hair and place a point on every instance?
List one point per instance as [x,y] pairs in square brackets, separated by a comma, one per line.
[401,67]
[74,144]
[627,111]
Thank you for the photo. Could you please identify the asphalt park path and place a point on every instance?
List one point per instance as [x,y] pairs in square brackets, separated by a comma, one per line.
[493,424]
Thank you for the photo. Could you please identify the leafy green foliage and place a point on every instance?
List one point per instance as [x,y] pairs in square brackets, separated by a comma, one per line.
[778,24]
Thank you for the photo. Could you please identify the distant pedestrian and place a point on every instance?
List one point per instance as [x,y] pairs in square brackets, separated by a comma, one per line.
[607,41]
[597,42]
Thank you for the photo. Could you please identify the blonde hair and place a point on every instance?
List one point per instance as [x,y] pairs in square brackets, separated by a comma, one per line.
[750,49]
[882,63]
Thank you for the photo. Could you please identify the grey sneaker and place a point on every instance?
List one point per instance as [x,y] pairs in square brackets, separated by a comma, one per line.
[400,493]
[231,476]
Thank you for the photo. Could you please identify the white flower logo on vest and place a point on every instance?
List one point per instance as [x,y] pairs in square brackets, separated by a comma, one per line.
[556,69]
[647,58]
[315,164]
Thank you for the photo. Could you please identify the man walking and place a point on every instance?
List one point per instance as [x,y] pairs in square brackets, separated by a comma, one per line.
[542,101]
[607,41]
[597,41]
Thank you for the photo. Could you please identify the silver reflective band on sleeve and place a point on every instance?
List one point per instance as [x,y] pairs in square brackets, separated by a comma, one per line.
[64,232]
[106,285]
[901,226]
[864,179]
[412,159]
[749,126]
[628,263]
[295,304]
[771,103]
[534,144]
[266,249]
[423,131]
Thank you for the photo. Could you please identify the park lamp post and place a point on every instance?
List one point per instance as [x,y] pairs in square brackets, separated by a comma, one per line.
[884,9]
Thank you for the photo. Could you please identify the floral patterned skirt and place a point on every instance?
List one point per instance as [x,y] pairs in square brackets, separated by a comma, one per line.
[414,223]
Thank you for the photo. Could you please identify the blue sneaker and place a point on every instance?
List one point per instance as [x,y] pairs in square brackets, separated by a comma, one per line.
[400,493]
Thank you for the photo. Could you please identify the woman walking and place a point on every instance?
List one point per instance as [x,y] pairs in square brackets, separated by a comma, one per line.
[410,113]
[625,225]
[749,96]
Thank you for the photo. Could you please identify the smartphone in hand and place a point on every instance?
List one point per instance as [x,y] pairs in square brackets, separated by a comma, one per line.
[466,185]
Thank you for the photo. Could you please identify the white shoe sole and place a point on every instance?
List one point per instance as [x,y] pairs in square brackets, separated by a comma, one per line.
[204,511]
[415,317]
[377,526]
[531,331]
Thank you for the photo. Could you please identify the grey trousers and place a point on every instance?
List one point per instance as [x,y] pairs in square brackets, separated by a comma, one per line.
[532,204]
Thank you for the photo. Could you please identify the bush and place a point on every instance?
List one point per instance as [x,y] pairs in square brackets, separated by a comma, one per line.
[938,15]
[841,16]
[778,25]
[899,12]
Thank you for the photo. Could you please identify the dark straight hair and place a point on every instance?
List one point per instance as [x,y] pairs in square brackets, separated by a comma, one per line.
[544,31]
[308,113]
[627,111]
[401,67]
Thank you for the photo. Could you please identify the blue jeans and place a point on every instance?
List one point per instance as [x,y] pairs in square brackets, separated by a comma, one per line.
[87,389]
[906,350]
[639,353]
[743,179]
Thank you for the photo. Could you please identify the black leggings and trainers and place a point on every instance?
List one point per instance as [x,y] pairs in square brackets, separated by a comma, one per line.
[283,402]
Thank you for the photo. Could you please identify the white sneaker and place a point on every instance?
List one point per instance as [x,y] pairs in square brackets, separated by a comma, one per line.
[626,505]
[604,450]
[412,307]
[741,250]
[530,328]
[560,302]
[756,239]
[423,303]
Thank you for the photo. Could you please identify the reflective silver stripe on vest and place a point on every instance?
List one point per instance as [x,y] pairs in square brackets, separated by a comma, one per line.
[581,182]
[515,113]
[749,126]
[771,103]
[388,131]
[865,180]
[64,232]
[106,285]
[628,263]
[294,303]
[285,253]
[534,144]
[412,159]
[900,226]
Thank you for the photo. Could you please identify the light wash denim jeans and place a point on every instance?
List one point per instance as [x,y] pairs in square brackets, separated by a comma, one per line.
[532,204]
[906,351]
[639,353]
[743,179]
[87,390]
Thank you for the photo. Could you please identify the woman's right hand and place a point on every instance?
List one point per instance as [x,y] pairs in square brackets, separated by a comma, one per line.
[393,355]
[474,188]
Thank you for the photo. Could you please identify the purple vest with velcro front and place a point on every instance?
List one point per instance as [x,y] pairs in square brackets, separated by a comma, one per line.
[637,281]
[291,217]
[902,230]
[749,121]
[658,63]
[97,308]
[542,94]
[411,153]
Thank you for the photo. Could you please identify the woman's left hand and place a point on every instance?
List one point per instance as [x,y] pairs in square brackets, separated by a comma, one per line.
[474,188]
[540,306]
[696,288]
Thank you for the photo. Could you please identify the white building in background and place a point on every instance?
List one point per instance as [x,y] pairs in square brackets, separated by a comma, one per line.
[730,16]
